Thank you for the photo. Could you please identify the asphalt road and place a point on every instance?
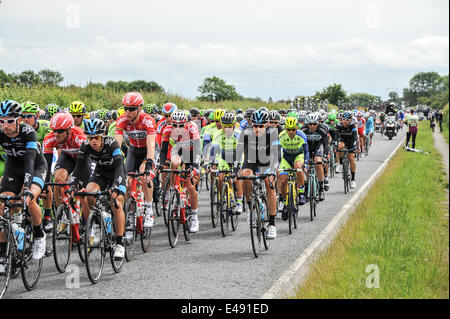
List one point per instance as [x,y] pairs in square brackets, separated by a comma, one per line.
[209,266]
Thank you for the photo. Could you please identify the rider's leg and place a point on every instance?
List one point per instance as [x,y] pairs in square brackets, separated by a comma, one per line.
[61,176]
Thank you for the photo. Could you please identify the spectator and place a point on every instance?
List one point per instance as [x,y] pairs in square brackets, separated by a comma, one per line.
[439,118]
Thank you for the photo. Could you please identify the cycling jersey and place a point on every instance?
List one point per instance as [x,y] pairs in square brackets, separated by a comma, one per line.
[137,132]
[184,142]
[412,121]
[25,163]
[223,147]
[360,125]
[317,141]
[293,150]
[43,128]
[109,169]
[370,125]
[348,134]
[70,146]
[159,128]
[112,129]
[332,130]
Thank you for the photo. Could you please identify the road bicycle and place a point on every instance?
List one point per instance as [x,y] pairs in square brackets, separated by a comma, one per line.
[18,255]
[134,216]
[66,229]
[313,188]
[214,197]
[259,213]
[100,235]
[332,163]
[291,201]
[179,208]
[227,205]
[346,174]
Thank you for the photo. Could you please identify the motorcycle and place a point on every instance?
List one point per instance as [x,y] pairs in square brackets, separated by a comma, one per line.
[390,127]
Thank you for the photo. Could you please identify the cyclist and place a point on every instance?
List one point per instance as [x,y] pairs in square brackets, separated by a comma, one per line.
[294,152]
[317,139]
[348,138]
[167,110]
[246,122]
[361,125]
[25,168]
[224,146]
[197,119]
[30,116]
[77,109]
[67,138]
[210,130]
[141,153]
[259,146]
[184,139]
[274,121]
[109,171]
[370,126]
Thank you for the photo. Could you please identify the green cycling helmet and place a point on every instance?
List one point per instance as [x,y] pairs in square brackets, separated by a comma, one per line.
[102,114]
[30,107]
[292,114]
[52,109]
[149,108]
[332,117]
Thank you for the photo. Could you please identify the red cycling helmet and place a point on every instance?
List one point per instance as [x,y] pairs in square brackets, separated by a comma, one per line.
[169,108]
[61,121]
[133,99]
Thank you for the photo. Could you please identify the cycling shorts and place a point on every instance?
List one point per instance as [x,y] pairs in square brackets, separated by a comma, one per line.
[68,163]
[105,179]
[13,177]
[287,162]
[135,157]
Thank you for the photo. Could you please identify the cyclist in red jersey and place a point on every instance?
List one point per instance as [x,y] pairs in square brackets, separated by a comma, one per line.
[68,139]
[167,110]
[140,128]
[184,138]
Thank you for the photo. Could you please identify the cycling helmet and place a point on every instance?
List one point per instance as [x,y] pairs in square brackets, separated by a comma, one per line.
[291,122]
[149,108]
[207,113]
[239,117]
[194,111]
[120,111]
[77,107]
[10,108]
[282,112]
[52,109]
[292,114]
[114,115]
[274,116]
[359,114]
[367,115]
[102,114]
[324,117]
[264,109]
[211,116]
[248,113]
[94,127]
[157,109]
[312,118]
[178,117]
[133,99]
[218,114]
[228,119]
[260,117]
[169,108]
[347,115]
[61,121]
[30,107]
[239,111]
[332,117]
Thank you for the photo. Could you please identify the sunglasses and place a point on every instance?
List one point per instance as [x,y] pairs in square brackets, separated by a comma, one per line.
[130,109]
[312,124]
[27,116]
[11,121]
[291,129]
[81,115]
[167,115]
[273,122]
[95,137]
[258,125]
[59,131]
[177,125]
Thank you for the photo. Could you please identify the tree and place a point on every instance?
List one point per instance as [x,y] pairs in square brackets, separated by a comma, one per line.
[333,94]
[215,89]
[364,99]
[50,78]
[29,78]
[5,79]
[393,97]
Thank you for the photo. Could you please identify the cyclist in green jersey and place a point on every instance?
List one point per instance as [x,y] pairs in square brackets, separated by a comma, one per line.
[30,116]
[210,130]
[78,110]
[223,148]
[294,147]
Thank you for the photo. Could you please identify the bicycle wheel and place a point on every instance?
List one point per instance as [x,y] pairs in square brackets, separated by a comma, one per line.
[265,224]
[345,174]
[187,224]
[49,237]
[311,196]
[130,228]
[367,146]
[316,197]
[224,210]
[30,268]
[215,203]
[234,217]
[7,260]
[255,227]
[81,244]
[165,200]
[145,238]
[174,219]
[291,207]
[116,263]
[95,246]
[62,238]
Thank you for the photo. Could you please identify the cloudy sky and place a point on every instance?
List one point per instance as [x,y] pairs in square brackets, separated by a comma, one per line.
[265,48]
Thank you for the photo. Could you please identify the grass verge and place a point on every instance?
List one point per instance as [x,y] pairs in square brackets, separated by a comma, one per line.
[445,123]
[401,227]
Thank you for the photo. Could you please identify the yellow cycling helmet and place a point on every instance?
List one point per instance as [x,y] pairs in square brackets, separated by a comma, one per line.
[77,107]
[218,114]
[121,111]
[291,122]
[87,116]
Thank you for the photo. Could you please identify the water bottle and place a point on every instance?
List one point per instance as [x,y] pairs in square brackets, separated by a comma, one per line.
[107,218]
[19,234]
[261,208]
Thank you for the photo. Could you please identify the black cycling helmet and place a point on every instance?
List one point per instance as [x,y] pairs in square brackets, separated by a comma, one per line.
[274,116]
[347,115]
[94,127]
[194,111]
[239,111]
[228,119]
[248,113]
[10,108]
[282,112]
[260,117]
